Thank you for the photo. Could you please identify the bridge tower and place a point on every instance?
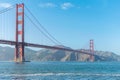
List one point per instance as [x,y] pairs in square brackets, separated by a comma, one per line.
[92,50]
[19,47]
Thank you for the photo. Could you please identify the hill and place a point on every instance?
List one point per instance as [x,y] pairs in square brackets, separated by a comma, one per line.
[7,54]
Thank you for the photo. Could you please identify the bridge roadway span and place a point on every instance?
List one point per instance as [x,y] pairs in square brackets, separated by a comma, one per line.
[44,46]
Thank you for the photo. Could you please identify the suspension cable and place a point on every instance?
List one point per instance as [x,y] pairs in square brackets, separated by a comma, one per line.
[43,26]
[7,9]
[40,29]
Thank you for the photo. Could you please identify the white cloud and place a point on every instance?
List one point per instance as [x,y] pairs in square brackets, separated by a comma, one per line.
[47,5]
[66,5]
[5,5]
[63,6]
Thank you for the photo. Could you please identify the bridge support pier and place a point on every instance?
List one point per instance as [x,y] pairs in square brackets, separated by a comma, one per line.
[19,47]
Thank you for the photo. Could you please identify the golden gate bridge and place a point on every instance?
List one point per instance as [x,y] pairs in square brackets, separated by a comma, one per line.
[19,38]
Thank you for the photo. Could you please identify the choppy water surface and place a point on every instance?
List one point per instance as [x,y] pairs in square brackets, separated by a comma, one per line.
[60,71]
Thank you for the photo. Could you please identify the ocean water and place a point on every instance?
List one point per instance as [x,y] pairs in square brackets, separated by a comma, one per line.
[60,71]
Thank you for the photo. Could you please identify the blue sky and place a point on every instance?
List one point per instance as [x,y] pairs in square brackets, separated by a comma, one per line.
[75,22]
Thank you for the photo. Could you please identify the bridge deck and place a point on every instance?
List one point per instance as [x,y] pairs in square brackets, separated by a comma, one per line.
[44,46]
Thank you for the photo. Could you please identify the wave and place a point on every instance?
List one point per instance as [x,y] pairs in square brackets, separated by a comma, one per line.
[60,74]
